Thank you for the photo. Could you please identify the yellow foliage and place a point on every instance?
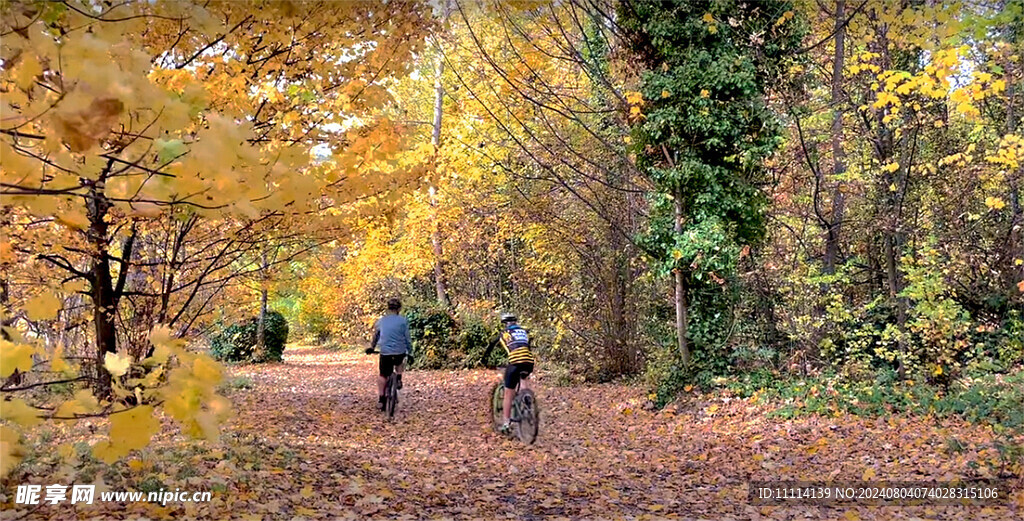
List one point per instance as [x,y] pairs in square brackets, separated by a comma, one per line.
[995,203]
[82,403]
[19,412]
[57,362]
[43,306]
[883,99]
[1009,153]
[14,356]
[11,449]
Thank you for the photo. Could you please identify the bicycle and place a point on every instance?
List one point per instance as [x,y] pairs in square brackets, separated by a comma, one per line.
[390,390]
[525,412]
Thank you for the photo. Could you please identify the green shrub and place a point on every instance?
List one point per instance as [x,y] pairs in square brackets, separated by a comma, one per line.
[442,339]
[992,400]
[237,342]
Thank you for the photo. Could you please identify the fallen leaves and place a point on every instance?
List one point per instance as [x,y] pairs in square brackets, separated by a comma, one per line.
[307,444]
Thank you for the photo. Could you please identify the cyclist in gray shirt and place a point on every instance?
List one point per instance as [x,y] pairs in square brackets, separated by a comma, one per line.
[391,333]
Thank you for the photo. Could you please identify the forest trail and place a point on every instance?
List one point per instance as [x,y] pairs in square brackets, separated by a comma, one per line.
[318,449]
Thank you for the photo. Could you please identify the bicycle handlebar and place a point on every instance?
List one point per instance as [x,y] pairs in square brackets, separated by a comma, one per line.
[372,351]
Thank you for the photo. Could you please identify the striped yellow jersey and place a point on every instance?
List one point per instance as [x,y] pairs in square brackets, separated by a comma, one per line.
[516,342]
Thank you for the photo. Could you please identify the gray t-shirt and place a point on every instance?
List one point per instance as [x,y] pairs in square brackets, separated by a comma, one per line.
[391,335]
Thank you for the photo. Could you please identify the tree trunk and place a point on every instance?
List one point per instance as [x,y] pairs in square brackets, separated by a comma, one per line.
[5,321]
[440,283]
[614,284]
[625,349]
[833,234]
[260,353]
[102,291]
[892,248]
[684,349]
[261,329]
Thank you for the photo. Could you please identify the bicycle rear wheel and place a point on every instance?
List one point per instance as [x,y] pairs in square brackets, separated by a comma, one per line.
[494,405]
[527,412]
[391,393]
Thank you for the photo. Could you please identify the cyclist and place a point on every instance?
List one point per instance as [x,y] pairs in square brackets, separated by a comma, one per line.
[391,333]
[516,342]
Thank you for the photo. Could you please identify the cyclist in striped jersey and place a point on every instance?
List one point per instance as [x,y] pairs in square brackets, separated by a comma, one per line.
[516,342]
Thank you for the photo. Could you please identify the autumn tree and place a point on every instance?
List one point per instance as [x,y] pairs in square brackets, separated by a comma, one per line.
[703,131]
[916,95]
[148,151]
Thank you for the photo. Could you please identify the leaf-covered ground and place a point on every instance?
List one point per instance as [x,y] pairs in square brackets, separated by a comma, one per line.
[307,443]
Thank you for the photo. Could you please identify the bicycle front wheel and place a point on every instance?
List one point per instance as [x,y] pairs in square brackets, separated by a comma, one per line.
[528,413]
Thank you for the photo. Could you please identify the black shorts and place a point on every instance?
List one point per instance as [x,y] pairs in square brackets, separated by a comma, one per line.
[388,363]
[516,372]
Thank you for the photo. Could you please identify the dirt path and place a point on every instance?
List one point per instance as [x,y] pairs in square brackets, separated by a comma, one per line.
[307,443]
[599,455]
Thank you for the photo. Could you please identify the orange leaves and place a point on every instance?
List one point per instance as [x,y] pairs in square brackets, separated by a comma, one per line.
[636,102]
[787,16]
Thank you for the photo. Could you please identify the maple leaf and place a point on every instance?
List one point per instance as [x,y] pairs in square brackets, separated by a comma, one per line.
[57,362]
[14,357]
[19,412]
[83,402]
[168,150]
[43,306]
[11,449]
[117,364]
[133,428]
[83,129]
[161,336]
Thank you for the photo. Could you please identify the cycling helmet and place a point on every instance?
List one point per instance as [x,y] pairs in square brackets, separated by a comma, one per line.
[394,304]
[508,317]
